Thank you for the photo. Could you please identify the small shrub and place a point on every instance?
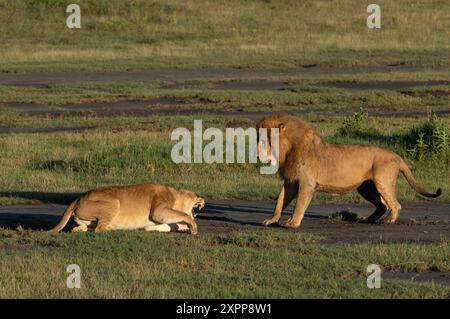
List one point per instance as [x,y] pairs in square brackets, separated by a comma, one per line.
[431,140]
[354,124]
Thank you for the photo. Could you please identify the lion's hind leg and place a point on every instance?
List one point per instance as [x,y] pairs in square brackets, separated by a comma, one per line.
[79,229]
[385,181]
[83,225]
[388,194]
[101,212]
[370,193]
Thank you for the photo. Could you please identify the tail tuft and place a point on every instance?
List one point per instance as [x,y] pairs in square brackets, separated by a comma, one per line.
[412,181]
[438,192]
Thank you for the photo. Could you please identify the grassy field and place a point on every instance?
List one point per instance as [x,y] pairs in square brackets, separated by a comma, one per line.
[264,264]
[132,150]
[140,34]
[302,94]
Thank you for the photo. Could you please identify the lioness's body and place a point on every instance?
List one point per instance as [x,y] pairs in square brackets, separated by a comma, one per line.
[146,206]
[307,164]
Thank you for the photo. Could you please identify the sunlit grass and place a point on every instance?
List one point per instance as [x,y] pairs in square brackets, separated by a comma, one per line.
[119,35]
[248,264]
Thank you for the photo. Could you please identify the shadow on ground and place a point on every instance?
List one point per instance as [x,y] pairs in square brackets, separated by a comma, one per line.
[44,197]
[35,217]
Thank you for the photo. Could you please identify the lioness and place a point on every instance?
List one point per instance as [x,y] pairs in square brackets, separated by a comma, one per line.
[307,164]
[151,207]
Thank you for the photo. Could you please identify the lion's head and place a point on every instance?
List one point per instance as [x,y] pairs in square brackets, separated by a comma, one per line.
[292,131]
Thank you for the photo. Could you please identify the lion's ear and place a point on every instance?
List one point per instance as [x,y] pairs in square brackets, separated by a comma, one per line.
[282,127]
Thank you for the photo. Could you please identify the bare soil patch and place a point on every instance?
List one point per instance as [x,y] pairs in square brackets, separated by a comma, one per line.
[383,85]
[436,277]
[78,129]
[257,85]
[159,107]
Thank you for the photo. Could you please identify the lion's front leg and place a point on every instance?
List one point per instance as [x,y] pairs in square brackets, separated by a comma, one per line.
[166,215]
[304,197]
[166,228]
[285,197]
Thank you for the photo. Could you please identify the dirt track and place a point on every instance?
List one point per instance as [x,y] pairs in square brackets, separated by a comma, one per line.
[45,79]
[145,108]
[424,222]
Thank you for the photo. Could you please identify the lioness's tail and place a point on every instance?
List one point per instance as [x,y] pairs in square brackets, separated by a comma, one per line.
[65,219]
[414,184]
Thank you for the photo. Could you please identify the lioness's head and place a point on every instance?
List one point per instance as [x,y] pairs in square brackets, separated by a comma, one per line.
[189,202]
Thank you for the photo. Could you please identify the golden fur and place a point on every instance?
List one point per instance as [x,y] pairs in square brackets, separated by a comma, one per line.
[309,164]
[151,207]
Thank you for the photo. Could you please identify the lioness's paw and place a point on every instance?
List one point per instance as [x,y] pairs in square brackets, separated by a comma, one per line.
[194,229]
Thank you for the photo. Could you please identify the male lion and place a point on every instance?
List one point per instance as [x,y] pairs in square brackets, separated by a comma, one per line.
[151,207]
[308,164]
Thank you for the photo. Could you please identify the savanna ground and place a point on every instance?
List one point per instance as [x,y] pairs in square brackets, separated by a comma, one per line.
[96,106]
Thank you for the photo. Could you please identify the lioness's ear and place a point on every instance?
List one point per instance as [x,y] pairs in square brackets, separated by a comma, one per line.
[282,127]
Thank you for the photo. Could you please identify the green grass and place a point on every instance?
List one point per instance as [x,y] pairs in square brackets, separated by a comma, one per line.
[122,35]
[304,93]
[134,150]
[265,264]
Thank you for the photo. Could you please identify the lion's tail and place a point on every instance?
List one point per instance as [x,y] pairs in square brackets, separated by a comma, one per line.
[414,184]
[66,217]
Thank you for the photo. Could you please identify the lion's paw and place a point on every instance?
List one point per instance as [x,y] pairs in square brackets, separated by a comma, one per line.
[291,224]
[269,222]
[388,220]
